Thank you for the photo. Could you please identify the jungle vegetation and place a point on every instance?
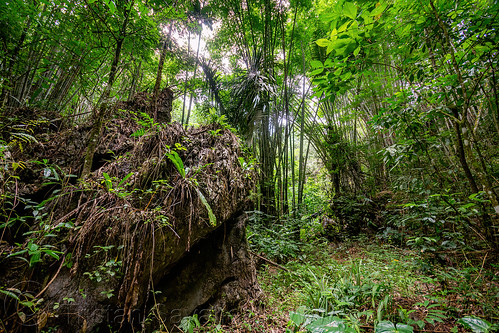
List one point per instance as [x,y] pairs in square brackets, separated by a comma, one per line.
[372,126]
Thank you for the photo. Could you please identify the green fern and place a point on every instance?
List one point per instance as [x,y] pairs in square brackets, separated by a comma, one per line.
[177,161]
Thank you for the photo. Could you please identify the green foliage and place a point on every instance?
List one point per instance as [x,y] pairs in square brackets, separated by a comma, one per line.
[277,241]
[247,164]
[120,189]
[416,66]
[211,216]
[188,324]
[214,118]
[146,122]
[389,327]
[179,165]
[299,321]
[110,268]
[177,161]
[346,291]
[477,325]
[35,252]
[36,246]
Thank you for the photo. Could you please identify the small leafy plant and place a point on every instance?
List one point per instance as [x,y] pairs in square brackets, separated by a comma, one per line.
[179,164]
[147,123]
[313,323]
[478,325]
[120,188]
[389,327]
[35,252]
[188,324]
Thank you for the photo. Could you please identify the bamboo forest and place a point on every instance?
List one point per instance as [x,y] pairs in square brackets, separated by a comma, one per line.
[294,166]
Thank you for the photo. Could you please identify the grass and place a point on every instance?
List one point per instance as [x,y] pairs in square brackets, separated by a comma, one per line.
[365,283]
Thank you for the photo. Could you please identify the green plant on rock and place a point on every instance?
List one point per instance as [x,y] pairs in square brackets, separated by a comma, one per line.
[177,161]
[179,165]
[26,303]
[35,252]
[120,188]
[146,122]
[214,118]
[110,268]
[188,324]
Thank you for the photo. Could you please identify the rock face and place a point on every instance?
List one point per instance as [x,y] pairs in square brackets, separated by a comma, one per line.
[157,231]
[143,102]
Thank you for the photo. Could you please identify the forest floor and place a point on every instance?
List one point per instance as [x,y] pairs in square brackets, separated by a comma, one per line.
[362,283]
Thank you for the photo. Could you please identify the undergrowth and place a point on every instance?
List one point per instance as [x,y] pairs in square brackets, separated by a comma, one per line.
[363,283]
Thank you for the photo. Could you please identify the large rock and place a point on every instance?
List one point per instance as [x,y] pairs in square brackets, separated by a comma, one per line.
[143,236]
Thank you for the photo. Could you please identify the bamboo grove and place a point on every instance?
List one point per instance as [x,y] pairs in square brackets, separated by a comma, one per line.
[388,95]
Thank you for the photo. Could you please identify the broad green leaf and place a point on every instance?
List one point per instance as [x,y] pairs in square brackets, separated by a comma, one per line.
[350,10]
[32,247]
[378,10]
[368,20]
[323,42]
[177,161]
[356,52]
[334,34]
[477,325]
[53,254]
[317,71]
[346,76]
[297,318]
[344,26]
[35,257]
[27,303]
[329,324]
[340,45]
[111,5]
[389,327]
[316,64]
[330,48]
[17,253]
[328,16]
[107,181]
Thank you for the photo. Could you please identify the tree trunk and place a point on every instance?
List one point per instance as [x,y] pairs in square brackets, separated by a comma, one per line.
[101,112]
[158,79]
